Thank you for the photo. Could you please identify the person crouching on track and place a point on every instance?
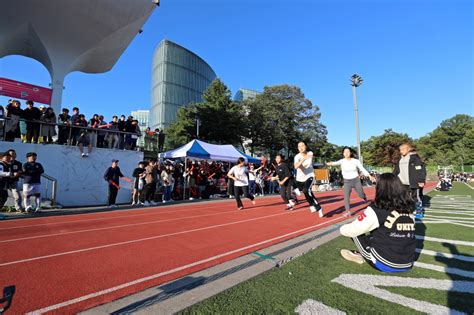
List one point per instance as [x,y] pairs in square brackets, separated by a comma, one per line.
[285,180]
[32,182]
[239,174]
[391,244]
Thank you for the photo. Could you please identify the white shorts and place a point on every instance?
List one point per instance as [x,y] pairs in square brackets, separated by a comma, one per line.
[31,189]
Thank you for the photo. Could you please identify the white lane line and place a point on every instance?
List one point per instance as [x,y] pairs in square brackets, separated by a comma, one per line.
[369,284]
[468,185]
[467,220]
[462,212]
[147,239]
[164,273]
[448,222]
[115,227]
[442,240]
[444,269]
[312,307]
[445,255]
[157,212]
[141,223]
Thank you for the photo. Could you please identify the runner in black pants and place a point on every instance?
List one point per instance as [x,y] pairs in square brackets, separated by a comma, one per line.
[239,174]
[285,180]
[303,164]
[112,176]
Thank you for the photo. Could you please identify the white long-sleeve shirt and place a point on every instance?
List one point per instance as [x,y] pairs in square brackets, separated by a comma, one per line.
[366,222]
[350,168]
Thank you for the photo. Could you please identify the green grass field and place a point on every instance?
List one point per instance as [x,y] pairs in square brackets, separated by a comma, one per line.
[282,290]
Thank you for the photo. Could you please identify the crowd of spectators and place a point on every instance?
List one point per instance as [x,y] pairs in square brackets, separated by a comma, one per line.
[41,125]
[173,180]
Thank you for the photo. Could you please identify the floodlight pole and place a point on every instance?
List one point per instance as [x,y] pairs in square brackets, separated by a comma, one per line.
[356,81]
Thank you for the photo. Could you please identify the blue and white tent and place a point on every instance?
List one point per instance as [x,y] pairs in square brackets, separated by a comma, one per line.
[202,150]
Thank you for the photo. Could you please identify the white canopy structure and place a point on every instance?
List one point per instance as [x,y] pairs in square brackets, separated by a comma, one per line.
[72,35]
[203,150]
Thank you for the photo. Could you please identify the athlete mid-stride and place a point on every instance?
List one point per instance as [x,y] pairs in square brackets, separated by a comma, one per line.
[303,164]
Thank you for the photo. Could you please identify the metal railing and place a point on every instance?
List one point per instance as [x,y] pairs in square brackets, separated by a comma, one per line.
[73,131]
[54,188]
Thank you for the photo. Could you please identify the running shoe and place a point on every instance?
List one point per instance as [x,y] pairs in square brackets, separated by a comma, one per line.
[289,207]
[240,208]
[29,209]
[347,213]
[37,209]
[352,255]
[291,203]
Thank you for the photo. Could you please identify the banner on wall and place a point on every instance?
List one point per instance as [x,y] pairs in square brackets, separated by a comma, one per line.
[25,91]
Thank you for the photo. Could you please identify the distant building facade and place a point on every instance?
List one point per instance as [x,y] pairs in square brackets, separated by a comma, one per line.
[179,77]
[142,116]
[244,94]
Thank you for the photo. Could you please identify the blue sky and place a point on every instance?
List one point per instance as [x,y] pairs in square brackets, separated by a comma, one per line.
[415,56]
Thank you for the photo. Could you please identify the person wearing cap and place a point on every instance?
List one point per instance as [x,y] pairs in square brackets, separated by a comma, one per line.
[32,114]
[32,171]
[5,175]
[112,176]
[16,168]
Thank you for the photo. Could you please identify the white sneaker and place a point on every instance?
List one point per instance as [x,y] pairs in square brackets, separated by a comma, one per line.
[191,198]
[164,201]
[37,209]
[141,204]
[291,203]
[321,213]
[134,204]
[352,256]
[312,209]
[111,206]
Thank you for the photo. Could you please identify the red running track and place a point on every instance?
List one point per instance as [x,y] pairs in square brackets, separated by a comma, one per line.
[66,264]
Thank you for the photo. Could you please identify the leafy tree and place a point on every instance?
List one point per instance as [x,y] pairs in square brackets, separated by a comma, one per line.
[383,150]
[277,119]
[452,142]
[220,119]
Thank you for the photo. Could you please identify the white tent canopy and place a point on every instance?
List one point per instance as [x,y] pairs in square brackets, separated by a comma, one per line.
[203,150]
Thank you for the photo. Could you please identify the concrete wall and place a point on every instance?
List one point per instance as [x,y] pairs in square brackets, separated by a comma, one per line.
[80,180]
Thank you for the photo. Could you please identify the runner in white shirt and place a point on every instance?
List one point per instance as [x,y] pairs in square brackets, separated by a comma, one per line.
[350,167]
[239,174]
[305,176]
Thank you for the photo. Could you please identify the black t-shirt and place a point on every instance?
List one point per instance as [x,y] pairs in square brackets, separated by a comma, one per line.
[16,167]
[32,173]
[283,171]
